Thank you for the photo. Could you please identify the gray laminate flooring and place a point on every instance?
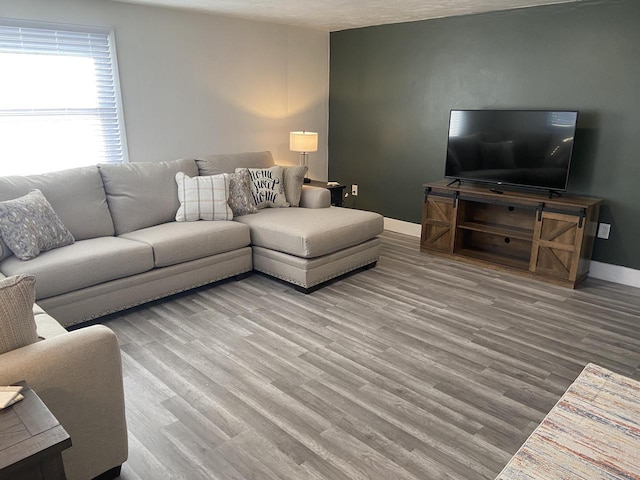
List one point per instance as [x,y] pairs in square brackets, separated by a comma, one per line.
[421,368]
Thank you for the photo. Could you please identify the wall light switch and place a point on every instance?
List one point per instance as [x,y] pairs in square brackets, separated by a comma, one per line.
[604,229]
[354,190]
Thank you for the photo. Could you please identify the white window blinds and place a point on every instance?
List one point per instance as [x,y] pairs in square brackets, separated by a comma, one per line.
[59,98]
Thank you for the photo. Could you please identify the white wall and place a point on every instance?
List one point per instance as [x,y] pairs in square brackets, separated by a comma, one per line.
[195,83]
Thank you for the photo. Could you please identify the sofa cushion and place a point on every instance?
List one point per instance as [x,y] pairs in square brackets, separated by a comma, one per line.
[76,195]
[203,198]
[228,162]
[310,233]
[85,263]
[143,194]
[178,242]
[293,181]
[28,226]
[17,325]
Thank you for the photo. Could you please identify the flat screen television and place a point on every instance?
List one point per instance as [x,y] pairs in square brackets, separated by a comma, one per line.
[520,148]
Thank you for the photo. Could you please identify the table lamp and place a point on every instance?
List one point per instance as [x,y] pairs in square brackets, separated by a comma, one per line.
[304,142]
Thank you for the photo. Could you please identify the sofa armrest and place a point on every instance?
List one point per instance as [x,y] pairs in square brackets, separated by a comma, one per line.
[315,197]
[78,376]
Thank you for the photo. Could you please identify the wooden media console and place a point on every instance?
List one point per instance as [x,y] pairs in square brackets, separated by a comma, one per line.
[530,234]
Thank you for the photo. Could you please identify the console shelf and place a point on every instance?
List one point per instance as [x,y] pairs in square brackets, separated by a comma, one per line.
[550,239]
[497,229]
[495,259]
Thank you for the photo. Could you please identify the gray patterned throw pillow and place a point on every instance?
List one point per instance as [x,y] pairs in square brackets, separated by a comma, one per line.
[240,198]
[29,226]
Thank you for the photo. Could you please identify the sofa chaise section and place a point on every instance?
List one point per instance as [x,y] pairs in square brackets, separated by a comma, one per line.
[307,247]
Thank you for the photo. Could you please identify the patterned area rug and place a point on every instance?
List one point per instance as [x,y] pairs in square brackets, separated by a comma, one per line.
[593,432]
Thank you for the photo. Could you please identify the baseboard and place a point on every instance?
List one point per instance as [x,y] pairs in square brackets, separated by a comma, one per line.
[602,271]
[615,273]
[400,226]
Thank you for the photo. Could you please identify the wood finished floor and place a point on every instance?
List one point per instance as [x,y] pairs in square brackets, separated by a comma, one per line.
[421,368]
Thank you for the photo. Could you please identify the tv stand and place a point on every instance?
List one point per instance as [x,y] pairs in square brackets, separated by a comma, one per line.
[550,239]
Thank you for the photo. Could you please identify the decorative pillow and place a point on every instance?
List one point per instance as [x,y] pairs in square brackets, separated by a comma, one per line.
[29,226]
[203,198]
[293,181]
[240,198]
[267,187]
[17,325]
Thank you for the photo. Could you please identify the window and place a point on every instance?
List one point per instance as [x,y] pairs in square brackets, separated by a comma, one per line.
[59,98]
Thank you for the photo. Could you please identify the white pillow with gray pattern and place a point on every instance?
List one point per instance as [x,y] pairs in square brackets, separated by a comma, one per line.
[203,198]
[267,187]
[29,226]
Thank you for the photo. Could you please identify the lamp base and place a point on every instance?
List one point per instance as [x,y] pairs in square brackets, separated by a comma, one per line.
[304,162]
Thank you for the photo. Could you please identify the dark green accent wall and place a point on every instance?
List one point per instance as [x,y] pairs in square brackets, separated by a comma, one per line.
[392,86]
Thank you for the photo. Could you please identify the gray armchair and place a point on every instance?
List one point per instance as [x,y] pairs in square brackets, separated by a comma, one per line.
[78,375]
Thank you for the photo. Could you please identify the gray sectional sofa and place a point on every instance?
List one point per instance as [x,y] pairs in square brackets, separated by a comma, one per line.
[130,250]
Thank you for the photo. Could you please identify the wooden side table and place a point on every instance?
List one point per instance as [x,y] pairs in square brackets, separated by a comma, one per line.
[337,191]
[31,441]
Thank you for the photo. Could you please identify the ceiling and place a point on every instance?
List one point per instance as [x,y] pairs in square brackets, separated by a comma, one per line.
[333,15]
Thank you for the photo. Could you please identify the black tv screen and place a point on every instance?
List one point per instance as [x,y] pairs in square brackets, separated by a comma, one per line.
[522,148]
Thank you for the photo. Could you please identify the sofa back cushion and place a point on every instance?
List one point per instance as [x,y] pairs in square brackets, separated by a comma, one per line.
[228,162]
[143,194]
[76,195]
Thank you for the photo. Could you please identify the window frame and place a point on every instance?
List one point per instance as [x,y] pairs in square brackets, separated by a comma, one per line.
[109,33]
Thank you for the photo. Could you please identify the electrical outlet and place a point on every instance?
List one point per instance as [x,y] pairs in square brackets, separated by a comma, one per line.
[354,190]
[604,229]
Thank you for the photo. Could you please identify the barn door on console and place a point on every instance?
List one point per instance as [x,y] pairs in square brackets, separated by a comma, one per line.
[556,242]
[438,214]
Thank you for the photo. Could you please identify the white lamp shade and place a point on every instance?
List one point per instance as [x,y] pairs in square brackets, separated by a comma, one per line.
[303,141]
